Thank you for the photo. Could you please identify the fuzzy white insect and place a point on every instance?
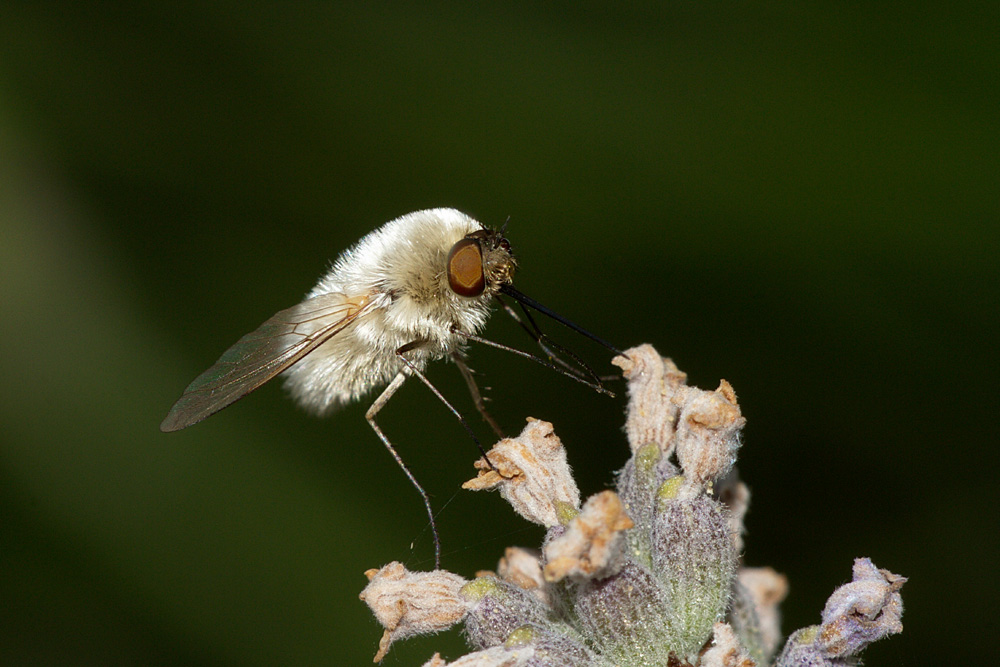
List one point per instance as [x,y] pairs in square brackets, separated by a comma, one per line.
[415,290]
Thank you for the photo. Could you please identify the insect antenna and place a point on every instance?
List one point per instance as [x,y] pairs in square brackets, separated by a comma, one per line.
[503,227]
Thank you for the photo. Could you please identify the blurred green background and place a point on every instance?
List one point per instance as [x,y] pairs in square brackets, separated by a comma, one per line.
[800,198]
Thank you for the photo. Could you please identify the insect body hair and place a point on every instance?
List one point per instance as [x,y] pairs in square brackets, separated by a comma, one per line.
[400,268]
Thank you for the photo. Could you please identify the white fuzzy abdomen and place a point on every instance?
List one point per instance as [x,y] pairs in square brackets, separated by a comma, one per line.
[363,357]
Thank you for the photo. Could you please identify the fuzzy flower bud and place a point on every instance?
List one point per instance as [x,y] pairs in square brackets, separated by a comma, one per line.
[500,656]
[652,381]
[638,483]
[496,609]
[865,610]
[626,615]
[532,474]
[693,556]
[412,603]
[593,544]
[642,577]
[708,433]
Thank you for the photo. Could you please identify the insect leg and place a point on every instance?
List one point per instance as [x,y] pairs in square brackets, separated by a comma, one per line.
[477,397]
[544,341]
[596,386]
[379,403]
[535,333]
[526,300]
[423,378]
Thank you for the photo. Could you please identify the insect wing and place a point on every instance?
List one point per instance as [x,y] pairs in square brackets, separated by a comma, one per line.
[264,353]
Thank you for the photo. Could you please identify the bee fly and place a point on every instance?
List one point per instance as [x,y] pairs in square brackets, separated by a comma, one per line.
[415,290]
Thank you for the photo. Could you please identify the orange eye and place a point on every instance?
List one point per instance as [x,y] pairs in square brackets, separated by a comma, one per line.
[465,268]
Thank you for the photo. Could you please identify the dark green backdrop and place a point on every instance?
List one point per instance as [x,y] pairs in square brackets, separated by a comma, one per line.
[800,198]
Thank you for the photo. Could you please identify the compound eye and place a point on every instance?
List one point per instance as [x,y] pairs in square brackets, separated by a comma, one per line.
[465,268]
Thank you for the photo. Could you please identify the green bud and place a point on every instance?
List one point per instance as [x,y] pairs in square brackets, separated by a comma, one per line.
[669,489]
[694,559]
[499,608]
[625,616]
[565,512]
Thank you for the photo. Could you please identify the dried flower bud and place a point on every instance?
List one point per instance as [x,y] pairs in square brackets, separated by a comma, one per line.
[725,650]
[652,381]
[754,613]
[694,559]
[532,474]
[523,568]
[735,495]
[708,432]
[593,544]
[412,603]
[496,609]
[865,610]
[768,589]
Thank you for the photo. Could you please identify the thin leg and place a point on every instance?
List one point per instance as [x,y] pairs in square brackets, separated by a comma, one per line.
[535,333]
[477,397]
[544,338]
[423,378]
[595,385]
[379,403]
[526,300]
[544,341]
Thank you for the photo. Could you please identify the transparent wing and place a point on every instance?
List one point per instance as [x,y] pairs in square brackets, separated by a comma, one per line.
[264,353]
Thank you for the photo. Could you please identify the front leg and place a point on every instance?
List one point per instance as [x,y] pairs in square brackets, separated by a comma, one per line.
[477,397]
[423,378]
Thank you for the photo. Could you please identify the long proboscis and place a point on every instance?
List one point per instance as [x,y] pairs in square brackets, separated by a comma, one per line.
[531,303]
